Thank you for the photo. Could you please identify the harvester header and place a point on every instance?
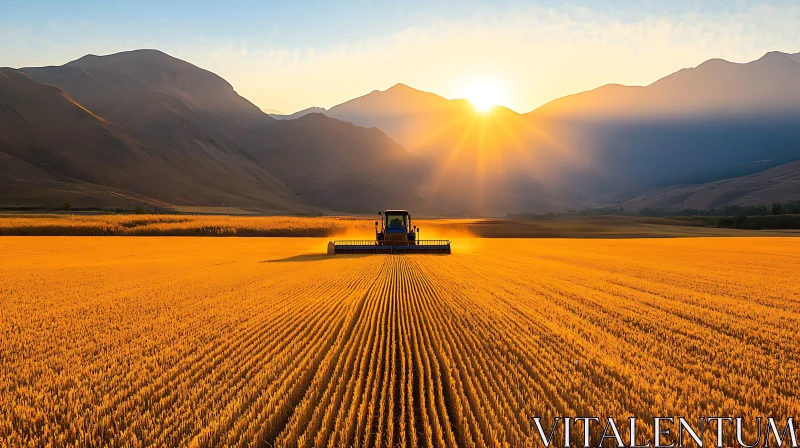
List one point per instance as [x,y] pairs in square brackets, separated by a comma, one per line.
[394,234]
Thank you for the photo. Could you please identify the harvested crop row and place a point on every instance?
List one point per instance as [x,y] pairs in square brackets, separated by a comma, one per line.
[241,342]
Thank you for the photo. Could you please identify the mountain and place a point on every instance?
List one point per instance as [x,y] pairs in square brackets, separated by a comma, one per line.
[780,184]
[715,121]
[189,128]
[123,84]
[54,150]
[336,163]
[302,113]
[427,123]
[193,120]
[715,87]
[407,115]
[487,160]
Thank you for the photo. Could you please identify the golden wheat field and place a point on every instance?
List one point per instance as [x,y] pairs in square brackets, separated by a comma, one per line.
[164,341]
[357,227]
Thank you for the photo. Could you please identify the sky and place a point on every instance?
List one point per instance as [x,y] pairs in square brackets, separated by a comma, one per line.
[290,55]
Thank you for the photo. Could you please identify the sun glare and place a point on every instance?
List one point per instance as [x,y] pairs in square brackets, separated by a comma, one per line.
[483,94]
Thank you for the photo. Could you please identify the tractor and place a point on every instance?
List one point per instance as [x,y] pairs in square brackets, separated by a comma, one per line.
[394,234]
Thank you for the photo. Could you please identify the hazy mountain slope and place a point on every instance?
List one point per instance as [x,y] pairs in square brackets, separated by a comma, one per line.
[123,84]
[24,185]
[715,121]
[337,163]
[489,161]
[302,113]
[409,116]
[53,150]
[189,116]
[194,121]
[719,87]
[780,184]
[712,122]
[427,123]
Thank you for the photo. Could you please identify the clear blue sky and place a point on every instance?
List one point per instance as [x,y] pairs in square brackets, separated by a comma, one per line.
[296,23]
[261,47]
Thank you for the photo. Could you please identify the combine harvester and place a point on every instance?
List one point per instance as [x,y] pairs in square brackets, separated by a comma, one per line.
[394,235]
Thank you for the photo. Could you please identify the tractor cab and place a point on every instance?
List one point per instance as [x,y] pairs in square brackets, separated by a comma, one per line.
[395,228]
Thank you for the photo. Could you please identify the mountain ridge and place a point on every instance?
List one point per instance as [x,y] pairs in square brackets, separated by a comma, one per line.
[702,124]
[697,81]
[699,124]
[300,113]
[195,122]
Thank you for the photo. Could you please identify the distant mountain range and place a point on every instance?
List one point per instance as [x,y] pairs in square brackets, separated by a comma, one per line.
[142,127]
[712,122]
[490,161]
[296,115]
[604,146]
[159,130]
[715,87]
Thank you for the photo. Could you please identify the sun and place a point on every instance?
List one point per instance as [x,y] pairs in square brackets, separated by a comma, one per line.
[483,94]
